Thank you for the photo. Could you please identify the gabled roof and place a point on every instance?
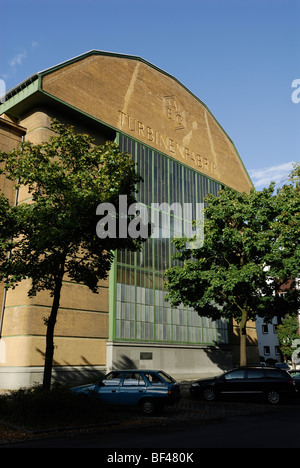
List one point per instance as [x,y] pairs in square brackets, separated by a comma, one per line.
[32,84]
[127,93]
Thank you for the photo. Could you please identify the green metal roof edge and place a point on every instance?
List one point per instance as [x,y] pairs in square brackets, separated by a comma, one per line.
[23,91]
[36,80]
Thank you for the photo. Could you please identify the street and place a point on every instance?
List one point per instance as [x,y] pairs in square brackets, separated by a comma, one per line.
[274,429]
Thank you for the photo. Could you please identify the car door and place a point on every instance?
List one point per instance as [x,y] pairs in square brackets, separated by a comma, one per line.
[255,381]
[232,382]
[109,387]
[132,388]
[296,377]
[157,387]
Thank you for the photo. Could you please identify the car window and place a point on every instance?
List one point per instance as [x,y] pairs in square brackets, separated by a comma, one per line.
[235,374]
[154,379]
[166,377]
[274,374]
[114,378]
[133,378]
[295,375]
[255,373]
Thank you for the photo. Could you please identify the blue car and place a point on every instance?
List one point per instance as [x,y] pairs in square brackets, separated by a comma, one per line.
[150,389]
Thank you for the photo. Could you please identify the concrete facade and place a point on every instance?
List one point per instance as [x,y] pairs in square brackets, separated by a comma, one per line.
[122,98]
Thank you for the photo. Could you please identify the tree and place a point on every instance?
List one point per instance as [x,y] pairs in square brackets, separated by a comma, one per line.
[294,176]
[67,178]
[287,333]
[250,249]
[6,227]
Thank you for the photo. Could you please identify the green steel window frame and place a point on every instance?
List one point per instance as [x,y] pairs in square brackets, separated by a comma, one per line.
[213,329]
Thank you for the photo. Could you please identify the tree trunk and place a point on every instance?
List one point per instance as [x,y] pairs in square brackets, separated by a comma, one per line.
[243,339]
[50,333]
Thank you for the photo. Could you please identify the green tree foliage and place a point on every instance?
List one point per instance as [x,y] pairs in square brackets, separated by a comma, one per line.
[55,233]
[251,248]
[287,333]
[6,227]
[294,176]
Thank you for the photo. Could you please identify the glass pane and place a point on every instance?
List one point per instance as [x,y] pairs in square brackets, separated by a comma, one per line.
[141,310]
[236,374]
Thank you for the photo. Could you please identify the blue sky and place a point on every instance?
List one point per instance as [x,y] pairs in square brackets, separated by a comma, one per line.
[240,57]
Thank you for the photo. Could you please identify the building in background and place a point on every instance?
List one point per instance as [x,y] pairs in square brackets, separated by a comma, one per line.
[268,344]
[183,154]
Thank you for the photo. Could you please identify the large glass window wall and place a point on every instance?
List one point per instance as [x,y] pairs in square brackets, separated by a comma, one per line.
[140,310]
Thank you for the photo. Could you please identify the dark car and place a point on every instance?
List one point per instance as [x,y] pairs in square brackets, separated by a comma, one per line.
[296,376]
[282,365]
[149,389]
[268,382]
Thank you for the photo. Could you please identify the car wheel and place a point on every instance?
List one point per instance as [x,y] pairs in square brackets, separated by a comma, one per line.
[209,394]
[273,397]
[148,407]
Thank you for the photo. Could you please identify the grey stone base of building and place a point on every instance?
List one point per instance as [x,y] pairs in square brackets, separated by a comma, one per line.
[181,362]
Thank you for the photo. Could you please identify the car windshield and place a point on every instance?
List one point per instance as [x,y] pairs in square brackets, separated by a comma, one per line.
[166,377]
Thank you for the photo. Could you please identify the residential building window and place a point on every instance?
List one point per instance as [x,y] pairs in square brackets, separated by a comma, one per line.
[277,350]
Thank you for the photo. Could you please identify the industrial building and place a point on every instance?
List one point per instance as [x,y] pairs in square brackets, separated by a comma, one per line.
[183,154]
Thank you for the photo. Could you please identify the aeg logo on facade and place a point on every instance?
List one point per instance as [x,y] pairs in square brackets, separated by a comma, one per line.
[174,112]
